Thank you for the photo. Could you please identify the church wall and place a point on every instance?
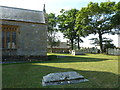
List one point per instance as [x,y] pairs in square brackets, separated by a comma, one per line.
[31,40]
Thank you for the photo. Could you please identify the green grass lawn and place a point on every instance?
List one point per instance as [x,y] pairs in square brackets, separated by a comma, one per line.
[101,71]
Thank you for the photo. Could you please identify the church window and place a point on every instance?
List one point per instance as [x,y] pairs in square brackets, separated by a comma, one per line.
[9,36]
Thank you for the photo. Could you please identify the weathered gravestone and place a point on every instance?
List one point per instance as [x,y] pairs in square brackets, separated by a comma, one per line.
[62,78]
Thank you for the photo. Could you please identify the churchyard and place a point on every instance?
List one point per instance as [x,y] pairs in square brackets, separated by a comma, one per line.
[27,33]
[101,71]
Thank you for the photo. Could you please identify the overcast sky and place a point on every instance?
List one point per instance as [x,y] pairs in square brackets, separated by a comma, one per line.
[54,6]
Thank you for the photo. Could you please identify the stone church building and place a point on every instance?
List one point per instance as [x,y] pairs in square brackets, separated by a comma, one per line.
[23,32]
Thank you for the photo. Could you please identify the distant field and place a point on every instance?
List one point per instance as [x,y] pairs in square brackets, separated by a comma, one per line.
[101,71]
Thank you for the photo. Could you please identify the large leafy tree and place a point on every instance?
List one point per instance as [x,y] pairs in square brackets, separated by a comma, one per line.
[95,19]
[116,18]
[53,39]
[66,25]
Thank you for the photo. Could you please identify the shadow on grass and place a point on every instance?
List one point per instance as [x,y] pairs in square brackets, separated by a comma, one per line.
[30,76]
[61,59]
[67,59]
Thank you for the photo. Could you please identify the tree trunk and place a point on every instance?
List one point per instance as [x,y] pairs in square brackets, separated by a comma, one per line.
[100,41]
[78,42]
[71,44]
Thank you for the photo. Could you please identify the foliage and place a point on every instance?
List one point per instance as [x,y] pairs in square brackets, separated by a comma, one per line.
[53,39]
[66,22]
[95,19]
[107,43]
[116,18]
[51,22]
[95,41]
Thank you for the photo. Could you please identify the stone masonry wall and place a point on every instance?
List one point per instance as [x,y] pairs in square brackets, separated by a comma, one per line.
[32,39]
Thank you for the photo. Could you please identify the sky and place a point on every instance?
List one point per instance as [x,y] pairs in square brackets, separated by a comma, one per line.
[54,6]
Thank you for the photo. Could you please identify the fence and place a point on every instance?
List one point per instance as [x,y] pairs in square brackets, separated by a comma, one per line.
[113,51]
[109,51]
[84,50]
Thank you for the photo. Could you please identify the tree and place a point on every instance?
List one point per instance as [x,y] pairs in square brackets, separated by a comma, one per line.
[78,40]
[53,39]
[107,43]
[95,19]
[116,18]
[66,22]
[95,41]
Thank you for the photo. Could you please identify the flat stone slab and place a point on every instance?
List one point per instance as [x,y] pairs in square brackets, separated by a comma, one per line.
[62,78]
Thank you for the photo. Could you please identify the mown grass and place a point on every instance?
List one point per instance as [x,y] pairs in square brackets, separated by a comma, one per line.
[101,71]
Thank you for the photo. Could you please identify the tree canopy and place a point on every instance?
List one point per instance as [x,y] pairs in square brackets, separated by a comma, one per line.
[96,19]
[53,38]
[116,18]
[67,21]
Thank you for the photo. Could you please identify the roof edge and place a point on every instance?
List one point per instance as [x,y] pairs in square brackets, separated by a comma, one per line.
[21,8]
[23,21]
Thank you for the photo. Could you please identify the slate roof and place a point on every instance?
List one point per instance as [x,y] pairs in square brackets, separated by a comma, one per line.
[18,14]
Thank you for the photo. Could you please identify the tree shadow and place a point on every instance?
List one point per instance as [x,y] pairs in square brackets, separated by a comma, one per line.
[71,59]
[31,77]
